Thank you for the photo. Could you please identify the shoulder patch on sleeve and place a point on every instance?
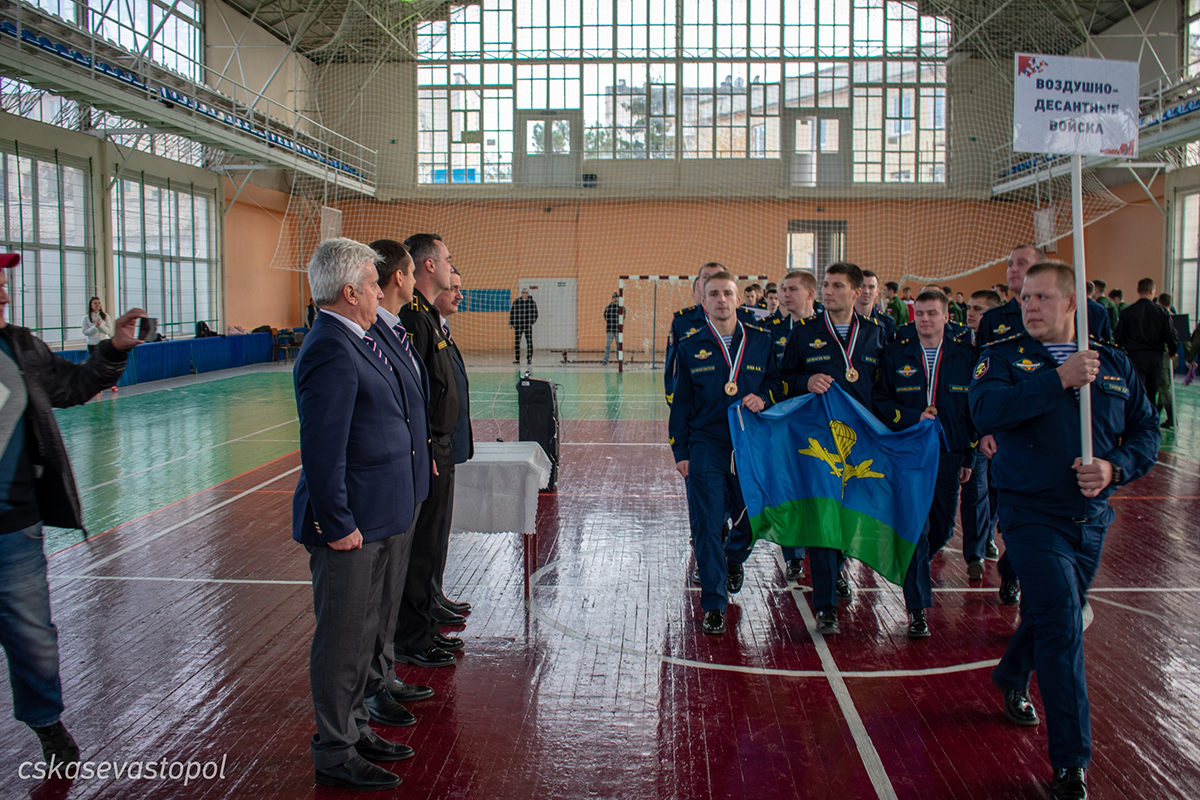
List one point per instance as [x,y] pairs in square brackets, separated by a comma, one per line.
[981,368]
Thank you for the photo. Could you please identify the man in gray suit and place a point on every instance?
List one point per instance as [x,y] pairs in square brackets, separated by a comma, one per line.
[354,506]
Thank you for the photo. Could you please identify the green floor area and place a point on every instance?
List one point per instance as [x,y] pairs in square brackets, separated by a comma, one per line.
[139,453]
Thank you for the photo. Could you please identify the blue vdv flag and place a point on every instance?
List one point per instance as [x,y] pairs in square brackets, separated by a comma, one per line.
[821,471]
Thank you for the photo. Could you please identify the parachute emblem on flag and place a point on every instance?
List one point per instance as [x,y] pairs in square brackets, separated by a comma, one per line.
[844,439]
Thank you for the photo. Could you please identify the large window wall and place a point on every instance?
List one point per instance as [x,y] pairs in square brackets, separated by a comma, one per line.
[164,255]
[720,80]
[46,220]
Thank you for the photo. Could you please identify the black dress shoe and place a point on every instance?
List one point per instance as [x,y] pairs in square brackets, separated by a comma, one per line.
[358,774]
[714,622]
[444,616]
[408,693]
[1010,593]
[432,656]
[974,570]
[377,748]
[57,744]
[918,626]
[734,577]
[843,588]
[384,709]
[450,644]
[1017,706]
[1069,784]
[991,552]
[795,569]
[827,621]
[455,606]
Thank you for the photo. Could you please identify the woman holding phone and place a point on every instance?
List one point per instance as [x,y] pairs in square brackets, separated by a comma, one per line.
[97,326]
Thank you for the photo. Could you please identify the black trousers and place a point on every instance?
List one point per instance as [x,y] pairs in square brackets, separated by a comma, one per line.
[1148,366]
[517,333]
[415,627]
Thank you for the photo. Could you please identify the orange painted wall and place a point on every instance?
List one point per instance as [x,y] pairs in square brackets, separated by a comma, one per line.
[495,244]
[255,294]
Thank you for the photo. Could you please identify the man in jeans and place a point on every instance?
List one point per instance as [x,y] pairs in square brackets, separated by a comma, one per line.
[612,324]
[36,487]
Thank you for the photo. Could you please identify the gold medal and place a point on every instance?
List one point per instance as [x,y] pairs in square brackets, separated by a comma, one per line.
[731,388]
[852,374]
[931,410]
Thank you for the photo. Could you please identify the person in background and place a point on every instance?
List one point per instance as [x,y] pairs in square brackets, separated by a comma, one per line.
[36,381]
[311,312]
[1118,298]
[1166,392]
[521,318]
[1164,300]
[1145,332]
[893,305]
[97,326]
[751,295]
[907,298]
[612,325]
[978,518]
[771,298]
[1100,297]
[867,304]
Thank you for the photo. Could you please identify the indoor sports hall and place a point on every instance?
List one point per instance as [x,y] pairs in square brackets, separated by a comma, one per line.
[188,156]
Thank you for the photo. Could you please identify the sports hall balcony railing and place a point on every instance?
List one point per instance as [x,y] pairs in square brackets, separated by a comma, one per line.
[1168,109]
[77,61]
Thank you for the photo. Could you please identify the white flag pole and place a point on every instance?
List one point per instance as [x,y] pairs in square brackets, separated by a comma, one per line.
[1081,298]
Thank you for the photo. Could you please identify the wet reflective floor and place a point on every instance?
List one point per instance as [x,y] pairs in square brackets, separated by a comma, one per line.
[184,631]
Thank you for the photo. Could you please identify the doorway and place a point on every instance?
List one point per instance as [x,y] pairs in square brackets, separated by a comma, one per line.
[556,328]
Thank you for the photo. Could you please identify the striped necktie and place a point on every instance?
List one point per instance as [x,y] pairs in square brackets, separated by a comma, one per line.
[375,349]
[446,333]
[402,332]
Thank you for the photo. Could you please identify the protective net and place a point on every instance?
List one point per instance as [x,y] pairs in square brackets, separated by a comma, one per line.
[558,145]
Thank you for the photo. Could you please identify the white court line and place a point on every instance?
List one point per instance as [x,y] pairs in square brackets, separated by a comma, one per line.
[1144,613]
[614,444]
[862,739]
[176,526]
[152,578]
[187,456]
[1190,472]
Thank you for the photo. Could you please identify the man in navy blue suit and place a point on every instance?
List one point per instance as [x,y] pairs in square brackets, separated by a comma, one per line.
[354,505]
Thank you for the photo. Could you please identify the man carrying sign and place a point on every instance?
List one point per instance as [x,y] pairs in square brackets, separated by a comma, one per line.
[1053,509]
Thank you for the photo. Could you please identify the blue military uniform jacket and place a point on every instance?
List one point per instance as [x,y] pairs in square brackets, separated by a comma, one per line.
[956,331]
[1017,395]
[686,322]
[886,322]
[779,326]
[811,350]
[700,408]
[900,394]
[1006,320]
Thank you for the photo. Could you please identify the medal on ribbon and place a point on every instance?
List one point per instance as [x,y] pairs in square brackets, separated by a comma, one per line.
[847,352]
[731,387]
[931,380]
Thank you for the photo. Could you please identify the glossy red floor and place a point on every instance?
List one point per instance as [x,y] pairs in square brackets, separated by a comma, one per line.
[185,635]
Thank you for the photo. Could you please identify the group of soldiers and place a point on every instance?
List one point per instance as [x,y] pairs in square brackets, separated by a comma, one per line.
[1005,388]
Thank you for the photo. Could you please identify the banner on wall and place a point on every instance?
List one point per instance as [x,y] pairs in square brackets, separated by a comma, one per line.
[1075,106]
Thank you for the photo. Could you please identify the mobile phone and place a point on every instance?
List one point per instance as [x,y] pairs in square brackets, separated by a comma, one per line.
[147,328]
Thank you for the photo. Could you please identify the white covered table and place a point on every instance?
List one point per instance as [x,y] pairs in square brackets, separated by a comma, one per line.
[497,490]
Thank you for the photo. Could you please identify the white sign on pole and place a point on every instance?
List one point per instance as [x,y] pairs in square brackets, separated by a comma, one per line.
[1075,106]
